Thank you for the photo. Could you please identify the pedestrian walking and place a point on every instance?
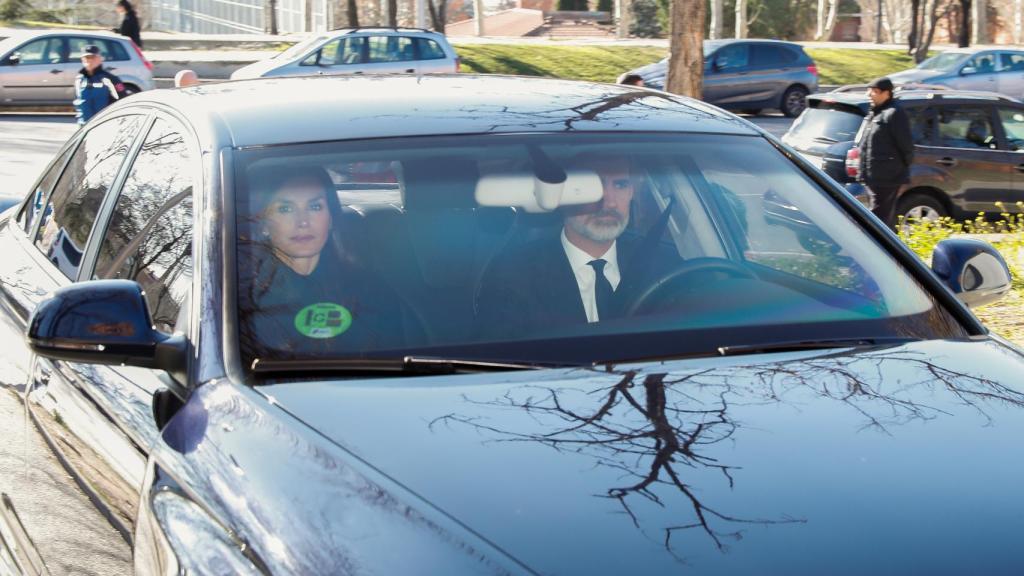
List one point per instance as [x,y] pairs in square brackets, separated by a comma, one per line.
[886,149]
[186,78]
[129,22]
[95,88]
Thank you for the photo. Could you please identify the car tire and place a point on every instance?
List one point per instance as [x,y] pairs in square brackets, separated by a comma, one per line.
[794,101]
[751,111]
[920,207]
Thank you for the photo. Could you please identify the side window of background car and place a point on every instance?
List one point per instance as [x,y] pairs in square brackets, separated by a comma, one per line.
[965,128]
[983,63]
[922,124]
[42,51]
[1013,125]
[732,57]
[429,50]
[111,50]
[35,205]
[768,56]
[348,50]
[1012,61]
[71,209]
[391,49]
[149,238]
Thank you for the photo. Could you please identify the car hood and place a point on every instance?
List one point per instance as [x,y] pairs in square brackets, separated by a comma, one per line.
[915,75]
[895,460]
[255,70]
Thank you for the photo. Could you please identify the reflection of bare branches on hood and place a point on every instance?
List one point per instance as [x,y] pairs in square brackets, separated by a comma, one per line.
[673,428]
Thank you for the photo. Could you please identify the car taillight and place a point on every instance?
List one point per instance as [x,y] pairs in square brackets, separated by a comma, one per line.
[813,69]
[458,64]
[149,65]
[853,162]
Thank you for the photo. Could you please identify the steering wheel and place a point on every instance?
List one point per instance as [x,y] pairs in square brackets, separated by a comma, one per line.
[656,287]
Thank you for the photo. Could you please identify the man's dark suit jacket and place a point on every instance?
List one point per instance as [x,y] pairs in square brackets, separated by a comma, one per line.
[532,289]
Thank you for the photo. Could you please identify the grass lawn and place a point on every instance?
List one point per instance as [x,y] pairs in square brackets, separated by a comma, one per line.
[855,66]
[595,63]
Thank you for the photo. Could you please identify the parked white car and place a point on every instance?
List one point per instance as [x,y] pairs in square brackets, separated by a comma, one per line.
[360,51]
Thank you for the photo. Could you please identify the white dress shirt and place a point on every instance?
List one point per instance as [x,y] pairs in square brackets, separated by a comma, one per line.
[586,277]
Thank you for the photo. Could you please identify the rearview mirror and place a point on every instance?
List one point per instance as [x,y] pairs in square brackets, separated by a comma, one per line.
[973,270]
[968,70]
[525,190]
[103,322]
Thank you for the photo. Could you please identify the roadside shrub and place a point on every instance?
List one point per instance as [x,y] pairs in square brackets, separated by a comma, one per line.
[14,9]
[644,22]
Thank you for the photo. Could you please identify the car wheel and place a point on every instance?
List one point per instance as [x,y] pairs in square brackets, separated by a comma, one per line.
[751,111]
[794,101]
[919,208]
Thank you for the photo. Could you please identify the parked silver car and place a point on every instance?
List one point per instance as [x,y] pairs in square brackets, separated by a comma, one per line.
[38,68]
[360,51]
[999,71]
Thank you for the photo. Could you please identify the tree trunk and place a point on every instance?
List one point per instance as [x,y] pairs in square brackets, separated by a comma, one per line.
[438,14]
[979,22]
[686,56]
[931,20]
[271,18]
[478,17]
[827,21]
[1018,15]
[393,13]
[353,14]
[717,9]
[964,34]
[915,14]
[741,18]
[819,30]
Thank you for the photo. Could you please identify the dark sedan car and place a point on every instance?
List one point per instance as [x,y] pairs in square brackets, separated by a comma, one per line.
[750,75]
[518,327]
[967,149]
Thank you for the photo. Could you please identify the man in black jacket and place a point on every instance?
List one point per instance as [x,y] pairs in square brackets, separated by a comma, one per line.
[886,149]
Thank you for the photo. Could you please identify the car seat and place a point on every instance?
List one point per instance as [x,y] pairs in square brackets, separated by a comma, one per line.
[978,133]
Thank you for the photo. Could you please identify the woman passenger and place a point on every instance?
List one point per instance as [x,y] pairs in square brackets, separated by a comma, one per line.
[301,294]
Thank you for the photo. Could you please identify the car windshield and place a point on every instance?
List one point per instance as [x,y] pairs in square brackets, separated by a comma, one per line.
[944,61]
[553,248]
[827,124]
[299,49]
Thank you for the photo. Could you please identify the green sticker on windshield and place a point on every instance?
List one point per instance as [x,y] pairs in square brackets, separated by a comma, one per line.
[323,320]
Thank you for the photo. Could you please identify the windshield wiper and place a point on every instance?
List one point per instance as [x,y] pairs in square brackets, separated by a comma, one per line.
[407,365]
[825,139]
[798,346]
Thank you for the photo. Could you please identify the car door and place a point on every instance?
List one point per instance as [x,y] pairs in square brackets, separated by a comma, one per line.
[1011,121]
[1011,74]
[345,55]
[966,157]
[725,79]
[768,66]
[979,73]
[39,75]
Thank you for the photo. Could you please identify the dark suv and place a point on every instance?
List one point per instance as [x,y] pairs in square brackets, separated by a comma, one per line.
[749,75]
[968,148]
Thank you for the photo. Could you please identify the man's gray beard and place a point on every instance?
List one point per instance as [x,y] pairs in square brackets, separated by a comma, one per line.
[594,232]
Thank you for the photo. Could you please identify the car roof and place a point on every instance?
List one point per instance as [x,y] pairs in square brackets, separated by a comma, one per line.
[859,98]
[726,41]
[270,111]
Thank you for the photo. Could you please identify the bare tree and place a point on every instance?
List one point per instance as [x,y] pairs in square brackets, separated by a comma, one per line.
[963,39]
[393,13]
[686,57]
[352,7]
[438,13]
[827,18]
[717,10]
[741,18]
[935,10]
[915,17]
[979,22]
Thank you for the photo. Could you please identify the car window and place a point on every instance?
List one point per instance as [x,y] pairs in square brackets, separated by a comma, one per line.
[1012,61]
[429,49]
[347,50]
[395,247]
[983,63]
[732,57]
[390,49]
[34,208]
[828,124]
[1013,126]
[72,207]
[965,127]
[43,51]
[765,55]
[149,236]
[922,124]
[111,50]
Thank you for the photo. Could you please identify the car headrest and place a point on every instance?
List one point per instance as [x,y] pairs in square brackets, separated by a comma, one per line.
[439,183]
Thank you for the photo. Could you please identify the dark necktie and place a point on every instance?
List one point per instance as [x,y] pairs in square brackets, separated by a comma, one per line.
[602,290]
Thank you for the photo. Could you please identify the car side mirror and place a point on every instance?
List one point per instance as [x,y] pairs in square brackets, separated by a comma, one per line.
[103,322]
[972,269]
[14,59]
[968,70]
